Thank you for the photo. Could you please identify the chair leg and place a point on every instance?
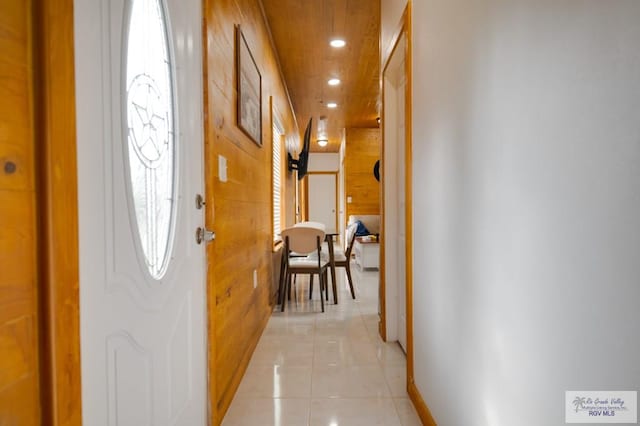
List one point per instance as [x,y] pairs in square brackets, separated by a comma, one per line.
[310,286]
[323,280]
[353,293]
[285,287]
[326,287]
[283,265]
[335,291]
[333,284]
[295,292]
[281,283]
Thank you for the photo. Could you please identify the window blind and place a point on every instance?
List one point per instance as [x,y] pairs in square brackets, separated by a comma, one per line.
[277,182]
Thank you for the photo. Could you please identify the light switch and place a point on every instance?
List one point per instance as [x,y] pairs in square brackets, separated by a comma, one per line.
[222,168]
[349,200]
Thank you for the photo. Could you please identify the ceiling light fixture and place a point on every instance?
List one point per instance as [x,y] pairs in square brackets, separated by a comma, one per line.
[338,42]
[334,82]
[332,105]
[323,142]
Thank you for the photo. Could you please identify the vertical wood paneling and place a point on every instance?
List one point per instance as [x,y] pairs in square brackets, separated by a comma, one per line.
[39,331]
[239,210]
[19,371]
[362,150]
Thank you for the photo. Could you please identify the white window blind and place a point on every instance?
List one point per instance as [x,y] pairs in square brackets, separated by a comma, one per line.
[277,181]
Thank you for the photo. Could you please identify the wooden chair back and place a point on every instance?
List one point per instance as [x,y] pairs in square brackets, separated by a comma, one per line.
[303,239]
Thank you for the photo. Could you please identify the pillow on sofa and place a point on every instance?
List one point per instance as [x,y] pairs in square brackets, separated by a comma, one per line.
[361,230]
[370,221]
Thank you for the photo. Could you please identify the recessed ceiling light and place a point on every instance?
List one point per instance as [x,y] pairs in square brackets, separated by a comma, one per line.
[323,142]
[332,105]
[334,82]
[337,42]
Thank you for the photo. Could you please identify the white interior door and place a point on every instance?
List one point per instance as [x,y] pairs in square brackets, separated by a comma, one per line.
[323,199]
[142,274]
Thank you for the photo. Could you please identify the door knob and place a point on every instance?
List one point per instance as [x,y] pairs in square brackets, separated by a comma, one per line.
[205,235]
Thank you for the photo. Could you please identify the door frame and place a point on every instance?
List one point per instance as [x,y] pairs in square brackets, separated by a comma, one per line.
[394,81]
[306,192]
[56,202]
[403,29]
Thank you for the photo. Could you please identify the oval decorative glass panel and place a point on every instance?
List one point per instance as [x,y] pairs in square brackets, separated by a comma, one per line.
[150,137]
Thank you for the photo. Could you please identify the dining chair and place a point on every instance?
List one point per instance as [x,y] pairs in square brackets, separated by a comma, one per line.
[306,243]
[326,251]
[341,259]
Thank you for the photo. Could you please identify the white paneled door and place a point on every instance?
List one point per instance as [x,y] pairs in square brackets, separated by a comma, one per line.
[323,199]
[142,273]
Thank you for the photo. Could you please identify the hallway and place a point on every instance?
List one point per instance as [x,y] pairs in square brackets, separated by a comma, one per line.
[332,368]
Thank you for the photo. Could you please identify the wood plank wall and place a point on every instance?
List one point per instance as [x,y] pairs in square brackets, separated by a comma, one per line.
[239,210]
[39,321]
[362,150]
[19,372]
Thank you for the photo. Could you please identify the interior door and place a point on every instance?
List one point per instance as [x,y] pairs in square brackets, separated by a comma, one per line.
[323,199]
[142,274]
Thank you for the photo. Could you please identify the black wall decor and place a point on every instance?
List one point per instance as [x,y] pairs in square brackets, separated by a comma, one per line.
[376,170]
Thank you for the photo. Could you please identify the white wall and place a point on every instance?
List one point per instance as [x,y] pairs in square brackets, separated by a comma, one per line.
[526,148]
[324,162]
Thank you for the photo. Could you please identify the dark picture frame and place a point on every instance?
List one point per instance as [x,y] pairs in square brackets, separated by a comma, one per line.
[249,89]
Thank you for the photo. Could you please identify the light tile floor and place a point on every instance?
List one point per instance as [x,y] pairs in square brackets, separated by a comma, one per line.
[325,369]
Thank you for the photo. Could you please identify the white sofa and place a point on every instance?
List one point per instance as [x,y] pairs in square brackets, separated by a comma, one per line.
[367,254]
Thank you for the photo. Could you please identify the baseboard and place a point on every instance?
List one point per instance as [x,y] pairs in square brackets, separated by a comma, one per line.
[419,404]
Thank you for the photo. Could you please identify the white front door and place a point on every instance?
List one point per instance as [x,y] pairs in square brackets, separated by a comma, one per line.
[142,274]
[323,198]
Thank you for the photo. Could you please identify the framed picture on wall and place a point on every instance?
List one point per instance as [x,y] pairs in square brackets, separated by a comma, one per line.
[249,87]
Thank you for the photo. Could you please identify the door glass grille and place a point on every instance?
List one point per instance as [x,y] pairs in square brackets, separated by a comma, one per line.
[151,144]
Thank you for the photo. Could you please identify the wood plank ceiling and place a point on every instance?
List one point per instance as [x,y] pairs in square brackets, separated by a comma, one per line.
[301,32]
